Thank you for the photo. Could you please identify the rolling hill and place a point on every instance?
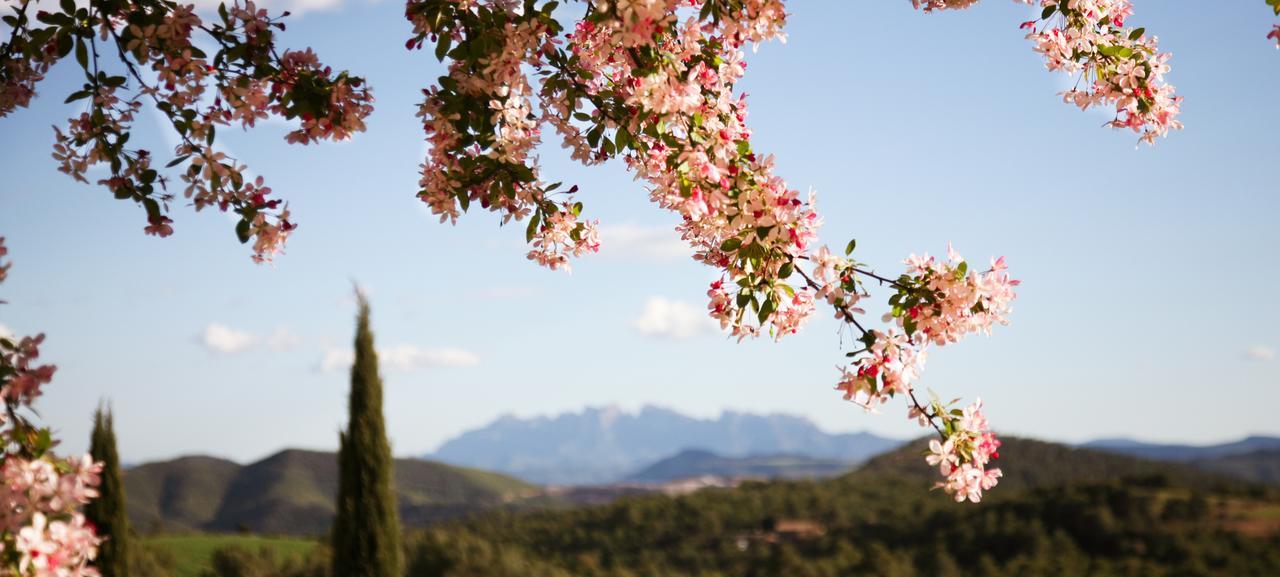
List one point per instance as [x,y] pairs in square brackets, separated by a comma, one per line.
[292,492]
[1028,463]
[1062,511]
[697,463]
[1262,466]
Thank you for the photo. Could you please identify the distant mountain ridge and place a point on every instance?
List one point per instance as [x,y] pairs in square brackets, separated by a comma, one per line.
[1185,453]
[604,445]
[292,492]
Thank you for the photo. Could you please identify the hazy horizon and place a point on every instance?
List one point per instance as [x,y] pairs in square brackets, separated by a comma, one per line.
[428,453]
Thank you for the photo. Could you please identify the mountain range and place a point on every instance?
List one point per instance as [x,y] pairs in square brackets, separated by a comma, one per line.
[599,455]
[605,445]
[293,492]
[1186,453]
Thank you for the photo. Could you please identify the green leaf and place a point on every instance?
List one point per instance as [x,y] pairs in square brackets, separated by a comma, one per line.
[242,231]
[64,45]
[770,305]
[731,245]
[853,244]
[1137,33]
[82,54]
[442,47]
[1048,12]
[44,441]
[79,94]
[532,229]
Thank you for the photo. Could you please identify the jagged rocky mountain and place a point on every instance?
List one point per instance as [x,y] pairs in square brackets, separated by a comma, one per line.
[604,445]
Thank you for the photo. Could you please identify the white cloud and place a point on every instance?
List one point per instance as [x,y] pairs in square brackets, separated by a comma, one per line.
[409,357]
[643,242]
[402,358]
[283,339]
[667,319]
[223,339]
[1261,353]
[336,359]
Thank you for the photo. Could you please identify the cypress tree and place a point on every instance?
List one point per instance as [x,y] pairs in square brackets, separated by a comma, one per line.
[107,512]
[366,532]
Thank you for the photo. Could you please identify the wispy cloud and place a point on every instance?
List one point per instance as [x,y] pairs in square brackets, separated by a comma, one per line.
[1261,353]
[402,358]
[668,319]
[222,339]
[283,339]
[642,242]
[335,360]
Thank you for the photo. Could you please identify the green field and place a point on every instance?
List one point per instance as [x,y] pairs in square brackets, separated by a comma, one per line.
[192,552]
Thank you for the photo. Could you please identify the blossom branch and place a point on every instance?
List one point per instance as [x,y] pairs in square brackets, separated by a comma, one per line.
[641,82]
[1120,66]
[250,80]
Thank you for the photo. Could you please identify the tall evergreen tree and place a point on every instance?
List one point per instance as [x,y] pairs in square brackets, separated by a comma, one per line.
[107,512]
[366,532]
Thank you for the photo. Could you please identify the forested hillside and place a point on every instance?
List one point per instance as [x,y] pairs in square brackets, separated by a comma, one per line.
[1064,512]
[292,492]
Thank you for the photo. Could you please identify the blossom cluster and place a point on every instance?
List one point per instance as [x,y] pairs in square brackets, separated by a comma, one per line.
[935,303]
[943,301]
[1118,66]
[42,531]
[25,378]
[24,60]
[963,454]
[483,128]
[151,41]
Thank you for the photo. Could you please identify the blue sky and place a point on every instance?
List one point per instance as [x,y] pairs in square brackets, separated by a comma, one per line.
[1146,308]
